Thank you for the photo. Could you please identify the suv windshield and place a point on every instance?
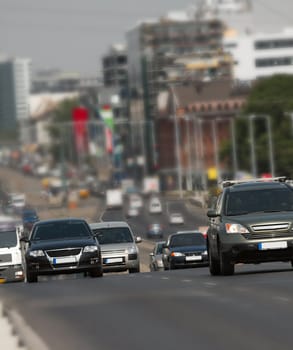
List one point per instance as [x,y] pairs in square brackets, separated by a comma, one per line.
[114,235]
[58,230]
[261,200]
[8,239]
[182,240]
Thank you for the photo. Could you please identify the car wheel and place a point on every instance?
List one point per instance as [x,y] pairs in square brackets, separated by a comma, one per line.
[98,272]
[214,265]
[227,268]
[31,277]
[134,270]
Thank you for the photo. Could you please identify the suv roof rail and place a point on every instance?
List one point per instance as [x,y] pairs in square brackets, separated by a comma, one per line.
[228,183]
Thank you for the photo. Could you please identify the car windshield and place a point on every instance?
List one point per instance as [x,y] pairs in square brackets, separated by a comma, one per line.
[159,249]
[182,240]
[60,230]
[114,235]
[8,239]
[265,200]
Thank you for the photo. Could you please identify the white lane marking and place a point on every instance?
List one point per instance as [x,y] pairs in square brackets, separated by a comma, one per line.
[280,298]
[210,284]
[165,278]
[186,281]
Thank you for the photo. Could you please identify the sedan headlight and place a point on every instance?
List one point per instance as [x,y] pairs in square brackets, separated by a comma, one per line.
[235,228]
[36,253]
[90,249]
[205,253]
[176,254]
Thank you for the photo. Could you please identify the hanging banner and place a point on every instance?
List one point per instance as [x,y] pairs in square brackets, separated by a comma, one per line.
[106,114]
[80,118]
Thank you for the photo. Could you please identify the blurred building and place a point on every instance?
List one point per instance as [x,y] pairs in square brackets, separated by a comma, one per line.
[258,55]
[193,120]
[15,83]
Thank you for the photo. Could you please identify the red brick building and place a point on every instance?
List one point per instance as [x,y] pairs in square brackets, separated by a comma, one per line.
[204,119]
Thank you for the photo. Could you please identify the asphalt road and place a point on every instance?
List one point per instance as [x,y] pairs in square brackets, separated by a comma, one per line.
[174,309]
[185,308]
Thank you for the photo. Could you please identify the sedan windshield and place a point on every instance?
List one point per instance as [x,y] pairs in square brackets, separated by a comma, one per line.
[182,240]
[268,200]
[60,230]
[114,235]
[8,239]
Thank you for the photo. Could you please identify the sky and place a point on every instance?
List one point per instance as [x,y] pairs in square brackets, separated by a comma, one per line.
[73,35]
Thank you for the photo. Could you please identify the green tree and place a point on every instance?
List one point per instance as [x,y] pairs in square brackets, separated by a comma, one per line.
[60,130]
[272,96]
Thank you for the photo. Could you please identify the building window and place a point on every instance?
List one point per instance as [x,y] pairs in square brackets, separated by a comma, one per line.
[272,62]
[273,44]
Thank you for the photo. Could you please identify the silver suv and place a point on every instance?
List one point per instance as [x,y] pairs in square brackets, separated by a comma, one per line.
[118,245]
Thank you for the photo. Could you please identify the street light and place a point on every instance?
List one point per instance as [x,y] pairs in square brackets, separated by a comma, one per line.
[270,144]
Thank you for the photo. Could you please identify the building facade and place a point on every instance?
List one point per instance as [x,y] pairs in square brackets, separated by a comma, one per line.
[15,84]
[258,55]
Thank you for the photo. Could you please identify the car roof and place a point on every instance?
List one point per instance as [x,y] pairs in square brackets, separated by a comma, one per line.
[50,221]
[257,186]
[107,224]
[187,231]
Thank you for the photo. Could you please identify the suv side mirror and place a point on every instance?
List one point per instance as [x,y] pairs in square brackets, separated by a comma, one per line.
[138,239]
[212,213]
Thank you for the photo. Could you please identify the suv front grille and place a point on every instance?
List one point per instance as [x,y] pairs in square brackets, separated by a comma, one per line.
[265,235]
[63,252]
[120,252]
[275,227]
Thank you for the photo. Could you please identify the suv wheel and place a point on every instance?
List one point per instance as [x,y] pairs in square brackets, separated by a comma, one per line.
[227,268]
[31,277]
[214,265]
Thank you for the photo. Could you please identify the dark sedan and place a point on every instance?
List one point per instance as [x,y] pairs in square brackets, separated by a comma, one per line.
[61,246]
[185,249]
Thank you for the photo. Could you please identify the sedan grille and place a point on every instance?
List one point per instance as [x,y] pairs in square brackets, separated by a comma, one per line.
[113,252]
[271,227]
[193,253]
[63,252]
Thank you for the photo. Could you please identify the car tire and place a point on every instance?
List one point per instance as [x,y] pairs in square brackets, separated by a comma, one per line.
[98,272]
[214,265]
[134,270]
[31,277]
[227,268]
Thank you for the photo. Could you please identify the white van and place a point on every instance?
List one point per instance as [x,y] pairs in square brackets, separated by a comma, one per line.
[11,262]
[155,206]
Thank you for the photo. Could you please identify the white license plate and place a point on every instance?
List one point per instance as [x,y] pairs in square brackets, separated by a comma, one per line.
[272,245]
[65,260]
[113,260]
[193,258]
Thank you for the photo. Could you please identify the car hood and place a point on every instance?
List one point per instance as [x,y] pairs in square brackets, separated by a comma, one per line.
[190,248]
[61,244]
[117,246]
[261,218]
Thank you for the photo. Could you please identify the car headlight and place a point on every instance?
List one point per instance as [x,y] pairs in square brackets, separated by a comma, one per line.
[235,228]
[36,253]
[90,249]
[205,253]
[176,254]
[131,250]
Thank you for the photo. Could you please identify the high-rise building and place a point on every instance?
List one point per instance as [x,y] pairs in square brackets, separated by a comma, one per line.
[15,83]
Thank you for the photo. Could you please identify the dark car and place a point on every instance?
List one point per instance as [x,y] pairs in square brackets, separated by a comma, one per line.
[59,246]
[252,222]
[185,249]
[156,262]
[29,217]
[155,231]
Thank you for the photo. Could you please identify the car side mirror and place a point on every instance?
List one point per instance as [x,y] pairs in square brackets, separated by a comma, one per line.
[138,239]
[212,213]
[152,254]
[165,246]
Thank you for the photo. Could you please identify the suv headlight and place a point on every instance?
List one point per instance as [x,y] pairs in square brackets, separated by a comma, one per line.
[36,253]
[235,228]
[176,254]
[131,250]
[205,253]
[90,249]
